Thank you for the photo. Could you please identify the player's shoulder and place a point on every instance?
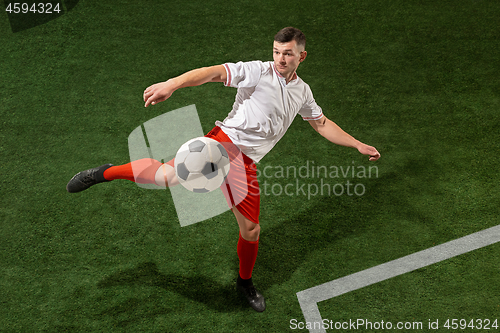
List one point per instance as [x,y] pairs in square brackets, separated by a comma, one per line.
[304,88]
[253,65]
[301,83]
[264,66]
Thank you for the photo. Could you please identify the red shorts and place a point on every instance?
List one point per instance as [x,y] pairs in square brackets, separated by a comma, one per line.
[241,188]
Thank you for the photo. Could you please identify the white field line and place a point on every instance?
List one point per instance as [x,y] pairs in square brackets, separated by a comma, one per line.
[309,298]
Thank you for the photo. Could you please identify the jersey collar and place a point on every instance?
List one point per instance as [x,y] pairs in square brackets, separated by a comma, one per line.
[282,77]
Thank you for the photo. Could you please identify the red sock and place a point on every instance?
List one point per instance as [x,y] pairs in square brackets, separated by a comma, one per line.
[141,171]
[247,252]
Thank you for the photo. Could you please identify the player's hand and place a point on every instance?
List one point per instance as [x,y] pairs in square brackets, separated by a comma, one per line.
[370,151]
[158,93]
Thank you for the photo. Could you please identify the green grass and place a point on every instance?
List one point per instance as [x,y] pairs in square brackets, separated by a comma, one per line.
[416,79]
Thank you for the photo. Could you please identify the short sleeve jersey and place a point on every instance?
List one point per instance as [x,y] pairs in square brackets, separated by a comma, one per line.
[264,107]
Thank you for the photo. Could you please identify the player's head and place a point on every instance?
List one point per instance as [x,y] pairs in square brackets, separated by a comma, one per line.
[289,34]
[289,50]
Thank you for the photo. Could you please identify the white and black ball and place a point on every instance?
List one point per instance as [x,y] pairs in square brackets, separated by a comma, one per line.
[201,165]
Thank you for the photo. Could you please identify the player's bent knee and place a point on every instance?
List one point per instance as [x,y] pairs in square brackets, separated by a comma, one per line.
[250,232]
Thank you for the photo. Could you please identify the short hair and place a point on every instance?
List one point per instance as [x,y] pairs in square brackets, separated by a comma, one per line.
[288,34]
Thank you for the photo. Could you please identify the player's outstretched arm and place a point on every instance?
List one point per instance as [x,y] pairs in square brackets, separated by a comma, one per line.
[333,133]
[161,91]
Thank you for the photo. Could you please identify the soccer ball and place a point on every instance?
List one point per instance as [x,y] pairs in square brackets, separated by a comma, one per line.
[201,165]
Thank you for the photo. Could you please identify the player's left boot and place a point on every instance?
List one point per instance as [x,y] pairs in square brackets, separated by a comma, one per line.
[85,179]
[254,297]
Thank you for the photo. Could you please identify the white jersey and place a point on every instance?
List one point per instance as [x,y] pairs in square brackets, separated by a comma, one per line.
[265,106]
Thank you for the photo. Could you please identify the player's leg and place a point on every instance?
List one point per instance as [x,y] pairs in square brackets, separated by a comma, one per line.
[165,175]
[143,171]
[243,195]
[248,244]
[249,230]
